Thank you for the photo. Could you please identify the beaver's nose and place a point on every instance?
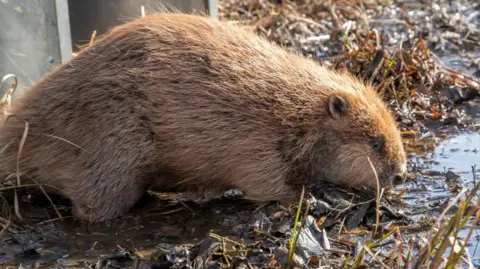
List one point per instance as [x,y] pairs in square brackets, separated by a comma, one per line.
[399,178]
[401,174]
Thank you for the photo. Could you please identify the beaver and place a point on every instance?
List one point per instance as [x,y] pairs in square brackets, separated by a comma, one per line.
[187,103]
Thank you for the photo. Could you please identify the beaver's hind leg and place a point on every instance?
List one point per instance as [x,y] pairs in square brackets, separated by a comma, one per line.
[110,183]
[104,205]
[106,195]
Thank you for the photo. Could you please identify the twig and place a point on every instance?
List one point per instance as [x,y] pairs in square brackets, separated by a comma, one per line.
[48,197]
[224,253]
[92,38]
[474,172]
[27,185]
[186,206]
[409,254]
[6,222]
[369,251]
[335,18]
[295,233]
[220,238]
[379,196]
[22,143]
[260,207]
[65,140]
[52,220]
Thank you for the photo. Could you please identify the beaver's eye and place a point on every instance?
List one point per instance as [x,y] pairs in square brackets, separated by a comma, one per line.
[377,144]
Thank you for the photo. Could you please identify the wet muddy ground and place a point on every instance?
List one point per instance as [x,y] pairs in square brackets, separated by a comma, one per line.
[165,230]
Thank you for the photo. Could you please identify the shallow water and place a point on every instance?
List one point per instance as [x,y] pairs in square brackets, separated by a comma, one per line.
[459,153]
[453,152]
[149,226]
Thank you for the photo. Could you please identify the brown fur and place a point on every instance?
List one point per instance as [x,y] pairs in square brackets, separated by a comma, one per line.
[186,103]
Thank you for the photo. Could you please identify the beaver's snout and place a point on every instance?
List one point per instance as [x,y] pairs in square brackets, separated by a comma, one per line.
[399,179]
[400,176]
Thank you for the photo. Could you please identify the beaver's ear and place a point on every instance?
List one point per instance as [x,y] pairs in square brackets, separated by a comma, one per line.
[337,106]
